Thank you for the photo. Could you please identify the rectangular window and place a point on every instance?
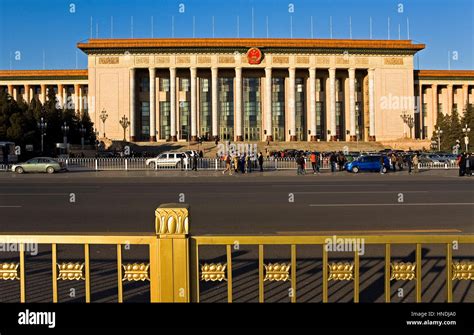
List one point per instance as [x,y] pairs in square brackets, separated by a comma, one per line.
[300,110]
[184,84]
[185,120]
[165,120]
[144,84]
[319,86]
[164,84]
[205,116]
[278,109]
[225,100]
[145,118]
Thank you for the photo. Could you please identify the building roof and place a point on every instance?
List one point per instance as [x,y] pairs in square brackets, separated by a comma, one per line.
[233,43]
[444,74]
[43,74]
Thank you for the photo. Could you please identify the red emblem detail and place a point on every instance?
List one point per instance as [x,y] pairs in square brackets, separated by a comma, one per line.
[254,56]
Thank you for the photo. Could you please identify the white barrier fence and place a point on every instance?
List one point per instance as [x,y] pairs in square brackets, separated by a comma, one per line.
[139,164]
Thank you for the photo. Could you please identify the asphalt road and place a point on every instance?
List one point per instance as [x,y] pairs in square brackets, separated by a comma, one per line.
[433,202]
[437,201]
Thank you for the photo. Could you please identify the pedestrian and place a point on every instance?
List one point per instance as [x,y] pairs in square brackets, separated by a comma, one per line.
[409,163]
[248,163]
[382,164]
[313,158]
[242,163]
[400,162]
[195,162]
[393,161]
[260,161]
[201,154]
[333,161]
[462,164]
[299,165]
[468,164]
[181,158]
[227,165]
[236,164]
[416,162]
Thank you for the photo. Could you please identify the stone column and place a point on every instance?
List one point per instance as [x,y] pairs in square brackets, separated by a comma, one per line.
[371,105]
[238,104]
[193,104]
[312,103]
[60,95]
[10,89]
[43,93]
[450,99]
[434,110]
[27,94]
[465,96]
[332,103]
[132,105]
[152,72]
[15,93]
[81,102]
[174,138]
[292,102]
[268,103]
[352,113]
[215,115]
[76,98]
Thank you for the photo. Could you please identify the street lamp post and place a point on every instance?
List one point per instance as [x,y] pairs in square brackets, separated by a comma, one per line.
[438,135]
[466,131]
[124,123]
[42,126]
[103,116]
[65,129]
[82,130]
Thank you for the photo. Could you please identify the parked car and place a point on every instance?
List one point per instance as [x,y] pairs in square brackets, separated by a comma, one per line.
[39,164]
[167,159]
[368,163]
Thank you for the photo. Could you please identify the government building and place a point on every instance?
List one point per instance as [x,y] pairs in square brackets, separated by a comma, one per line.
[252,89]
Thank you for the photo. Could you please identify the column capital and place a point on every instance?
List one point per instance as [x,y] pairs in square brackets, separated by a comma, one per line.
[332,71]
[214,70]
[193,71]
[172,69]
[268,68]
[132,69]
[312,70]
[152,69]
[351,71]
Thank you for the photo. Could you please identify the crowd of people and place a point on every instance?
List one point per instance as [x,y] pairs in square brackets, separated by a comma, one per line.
[243,163]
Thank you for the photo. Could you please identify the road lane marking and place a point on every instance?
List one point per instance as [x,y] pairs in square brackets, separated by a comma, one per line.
[397,204]
[341,232]
[359,192]
[9,206]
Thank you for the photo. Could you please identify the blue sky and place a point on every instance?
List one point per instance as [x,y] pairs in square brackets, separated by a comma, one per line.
[27,27]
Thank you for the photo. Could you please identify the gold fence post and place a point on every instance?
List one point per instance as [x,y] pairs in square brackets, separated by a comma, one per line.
[172,229]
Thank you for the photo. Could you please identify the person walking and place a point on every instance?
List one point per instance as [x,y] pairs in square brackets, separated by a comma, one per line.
[333,161]
[409,163]
[248,163]
[468,164]
[260,161]
[299,165]
[462,164]
[382,164]
[313,158]
[416,162]
[236,164]
[400,162]
[227,165]
[393,161]
[195,162]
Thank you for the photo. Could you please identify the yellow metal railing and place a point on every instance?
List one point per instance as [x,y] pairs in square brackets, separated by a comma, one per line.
[175,271]
[343,271]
